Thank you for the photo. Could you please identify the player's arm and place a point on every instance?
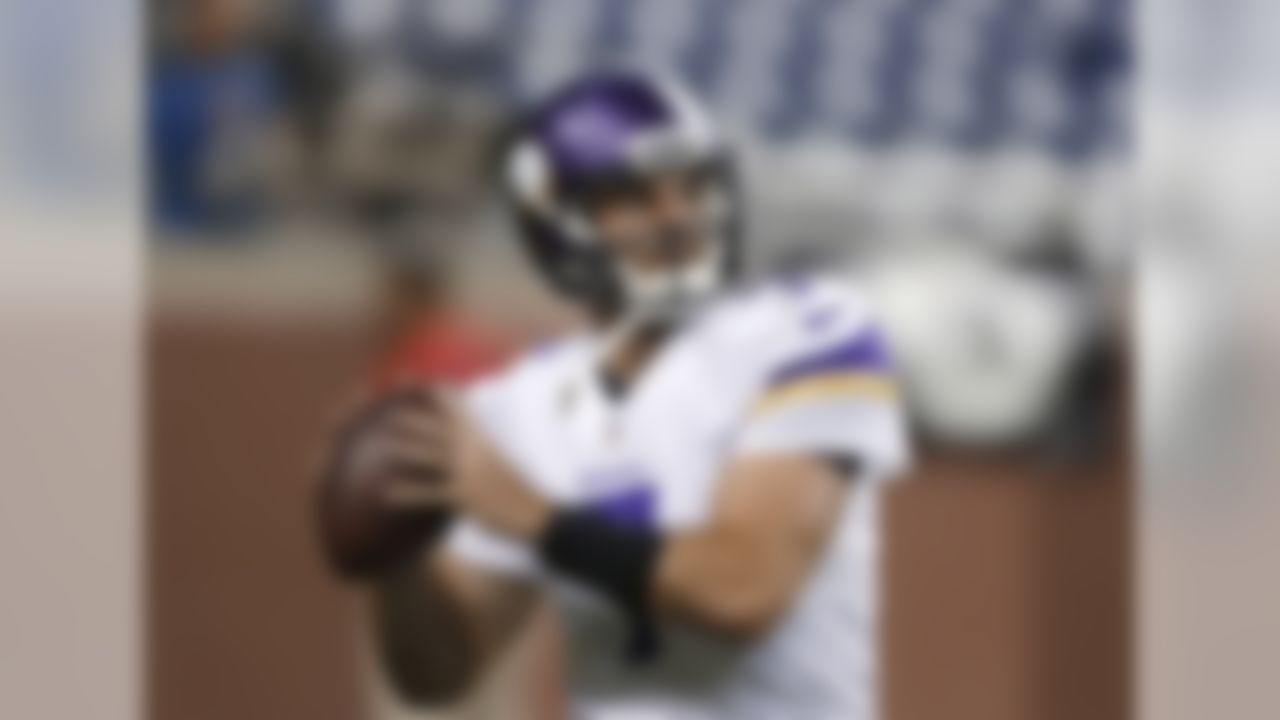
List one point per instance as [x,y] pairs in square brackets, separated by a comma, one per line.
[739,573]
[736,575]
[440,624]
[383,510]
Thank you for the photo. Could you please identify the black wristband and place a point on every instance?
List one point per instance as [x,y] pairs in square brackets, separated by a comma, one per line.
[616,560]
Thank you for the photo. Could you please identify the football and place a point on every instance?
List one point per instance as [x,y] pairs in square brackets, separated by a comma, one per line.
[361,533]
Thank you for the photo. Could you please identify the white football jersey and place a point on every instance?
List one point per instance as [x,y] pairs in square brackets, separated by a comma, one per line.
[793,365]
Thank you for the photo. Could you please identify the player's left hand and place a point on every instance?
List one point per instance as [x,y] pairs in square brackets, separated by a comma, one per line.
[482,483]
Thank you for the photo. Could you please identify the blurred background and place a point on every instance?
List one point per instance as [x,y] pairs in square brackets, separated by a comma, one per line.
[323,215]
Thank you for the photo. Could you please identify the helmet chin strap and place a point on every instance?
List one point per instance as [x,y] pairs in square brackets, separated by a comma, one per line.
[663,300]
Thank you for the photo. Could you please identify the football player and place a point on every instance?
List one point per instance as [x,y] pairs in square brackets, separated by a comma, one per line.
[692,481]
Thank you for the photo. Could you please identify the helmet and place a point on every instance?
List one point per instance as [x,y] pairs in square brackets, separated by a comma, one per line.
[592,136]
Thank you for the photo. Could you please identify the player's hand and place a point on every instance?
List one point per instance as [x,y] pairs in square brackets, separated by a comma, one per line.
[381,488]
[485,486]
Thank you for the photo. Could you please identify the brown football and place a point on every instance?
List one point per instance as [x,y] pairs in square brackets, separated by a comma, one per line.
[362,535]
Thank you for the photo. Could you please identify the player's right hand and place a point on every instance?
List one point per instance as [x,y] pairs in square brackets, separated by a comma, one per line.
[380,489]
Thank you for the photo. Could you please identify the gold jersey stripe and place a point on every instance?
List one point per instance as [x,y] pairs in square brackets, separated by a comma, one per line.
[833,386]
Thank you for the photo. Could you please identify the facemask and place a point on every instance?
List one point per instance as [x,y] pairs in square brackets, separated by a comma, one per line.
[668,297]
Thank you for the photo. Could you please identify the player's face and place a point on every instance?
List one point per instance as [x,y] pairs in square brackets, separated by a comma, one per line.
[658,223]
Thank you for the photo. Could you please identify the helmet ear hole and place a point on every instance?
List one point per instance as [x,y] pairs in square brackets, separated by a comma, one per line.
[595,281]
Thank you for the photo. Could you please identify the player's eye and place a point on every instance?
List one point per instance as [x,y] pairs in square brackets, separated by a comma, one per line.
[701,179]
[616,191]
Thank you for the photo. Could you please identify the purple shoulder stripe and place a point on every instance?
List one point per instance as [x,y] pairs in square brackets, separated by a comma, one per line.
[865,352]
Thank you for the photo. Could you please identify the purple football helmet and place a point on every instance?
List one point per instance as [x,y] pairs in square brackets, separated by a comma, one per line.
[597,135]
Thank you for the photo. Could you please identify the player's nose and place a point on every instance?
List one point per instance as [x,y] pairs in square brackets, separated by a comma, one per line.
[672,202]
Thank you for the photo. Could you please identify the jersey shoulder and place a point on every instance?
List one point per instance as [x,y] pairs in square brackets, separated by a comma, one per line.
[789,319]
[824,381]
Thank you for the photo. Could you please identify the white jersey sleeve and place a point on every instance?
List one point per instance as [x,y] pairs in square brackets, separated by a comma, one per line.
[826,386]
[469,541]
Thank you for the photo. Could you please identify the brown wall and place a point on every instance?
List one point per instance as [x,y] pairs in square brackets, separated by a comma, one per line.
[1007,596]
[244,623]
[1007,592]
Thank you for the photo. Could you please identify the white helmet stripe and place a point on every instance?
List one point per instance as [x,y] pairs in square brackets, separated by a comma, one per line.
[529,174]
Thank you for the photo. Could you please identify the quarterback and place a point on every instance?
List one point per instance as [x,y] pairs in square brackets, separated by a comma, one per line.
[692,482]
